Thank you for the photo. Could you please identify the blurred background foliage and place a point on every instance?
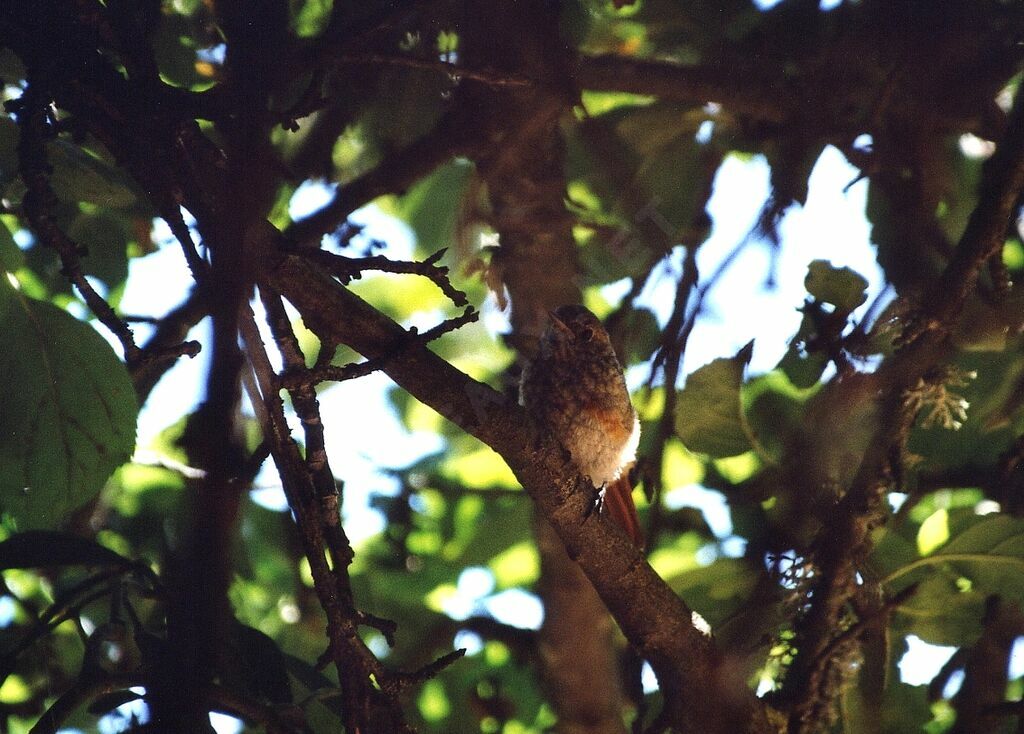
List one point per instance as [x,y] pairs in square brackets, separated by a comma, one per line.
[773,448]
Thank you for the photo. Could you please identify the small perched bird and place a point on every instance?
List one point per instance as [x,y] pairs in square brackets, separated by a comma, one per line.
[575,388]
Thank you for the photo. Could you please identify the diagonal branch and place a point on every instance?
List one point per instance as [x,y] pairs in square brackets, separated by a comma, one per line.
[348,268]
[656,621]
[40,200]
[396,173]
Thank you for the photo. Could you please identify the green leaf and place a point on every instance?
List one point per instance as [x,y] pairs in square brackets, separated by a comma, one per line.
[941,613]
[984,556]
[262,665]
[803,369]
[311,18]
[841,287]
[179,35]
[105,237]
[709,416]
[8,150]
[431,207]
[639,173]
[46,549]
[11,256]
[81,177]
[68,417]
[640,335]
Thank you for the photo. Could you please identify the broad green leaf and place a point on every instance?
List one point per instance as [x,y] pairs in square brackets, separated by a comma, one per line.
[11,256]
[640,335]
[8,150]
[105,237]
[984,556]
[941,613]
[934,532]
[178,38]
[774,408]
[988,549]
[709,415]
[904,709]
[803,370]
[841,287]
[431,207]
[79,176]
[69,411]
[261,666]
[717,590]
[645,181]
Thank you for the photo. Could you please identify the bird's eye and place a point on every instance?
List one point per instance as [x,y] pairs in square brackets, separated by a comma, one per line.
[586,334]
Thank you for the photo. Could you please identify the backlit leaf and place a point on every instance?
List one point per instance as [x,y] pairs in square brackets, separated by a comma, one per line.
[709,417]
[841,287]
[68,417]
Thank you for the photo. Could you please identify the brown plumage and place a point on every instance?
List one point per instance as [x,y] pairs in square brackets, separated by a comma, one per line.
[575,388]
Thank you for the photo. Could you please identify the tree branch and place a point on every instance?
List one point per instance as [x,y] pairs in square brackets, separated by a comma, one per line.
[844,540]
[39,203]
[347,269]
[656,622]
[744,90]
[393,175]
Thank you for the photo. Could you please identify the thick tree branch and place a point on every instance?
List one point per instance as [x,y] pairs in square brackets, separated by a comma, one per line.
[844,540]
[653,618]
[740,89]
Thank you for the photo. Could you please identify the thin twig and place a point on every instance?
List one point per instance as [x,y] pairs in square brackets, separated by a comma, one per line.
[674,339]
[297,375]
[39,202]
[167,342]
[398,683]
[348,268]
[491,77]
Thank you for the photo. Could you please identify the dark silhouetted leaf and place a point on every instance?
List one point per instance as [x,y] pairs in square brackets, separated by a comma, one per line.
[262,664]
[105,237]
[110,701]
[78,176]
[45,549]
[431,207]
[11,256]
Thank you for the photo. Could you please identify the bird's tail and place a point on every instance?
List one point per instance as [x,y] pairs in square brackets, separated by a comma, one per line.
[618,503]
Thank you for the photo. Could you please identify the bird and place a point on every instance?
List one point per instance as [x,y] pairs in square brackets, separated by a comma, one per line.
[575,389]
